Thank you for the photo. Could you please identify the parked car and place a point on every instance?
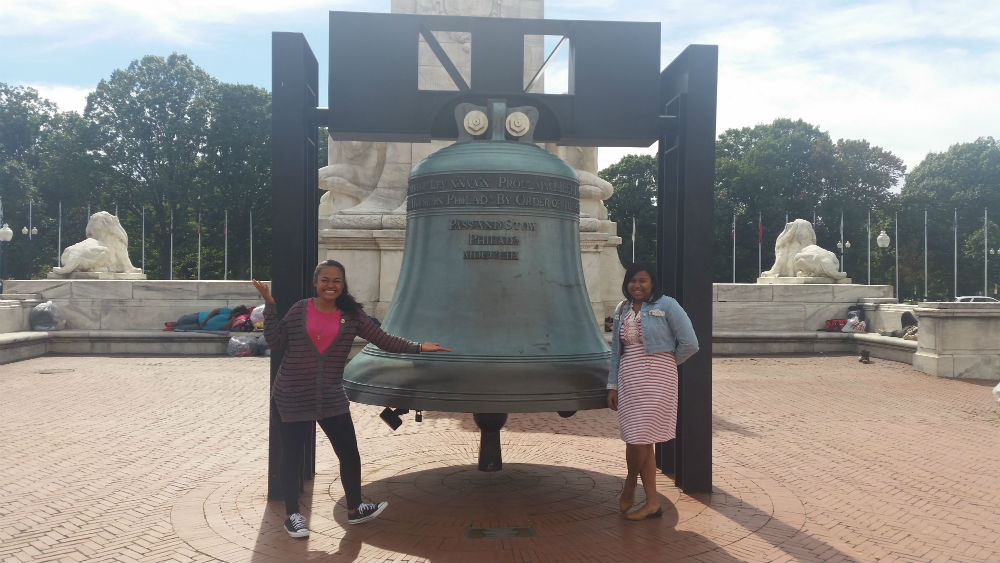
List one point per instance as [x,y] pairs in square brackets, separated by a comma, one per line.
[975,299]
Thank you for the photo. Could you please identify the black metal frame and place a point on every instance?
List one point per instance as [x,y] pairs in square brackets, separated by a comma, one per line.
[614,68]
[682,118]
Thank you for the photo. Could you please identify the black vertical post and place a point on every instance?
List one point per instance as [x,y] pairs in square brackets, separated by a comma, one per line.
[686,172]
[295,232]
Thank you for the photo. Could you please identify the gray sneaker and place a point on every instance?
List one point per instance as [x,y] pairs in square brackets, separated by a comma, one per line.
[366,512]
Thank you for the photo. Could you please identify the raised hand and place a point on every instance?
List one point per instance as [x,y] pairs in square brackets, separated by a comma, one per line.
[263,290]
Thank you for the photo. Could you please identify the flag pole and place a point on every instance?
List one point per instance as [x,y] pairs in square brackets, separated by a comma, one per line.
[171,243]
[925,254]
[841,243]
[58,235]
[954,225]
[733,235]
[895,222]
[869,247]
[633,239]
[251,244]
[760,237]
[225,239]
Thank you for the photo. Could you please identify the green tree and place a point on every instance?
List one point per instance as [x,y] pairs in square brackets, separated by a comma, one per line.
[766,172]
[152,123]
[237,168]
[68,175]
[792,169]
[964,179]
[634,198]
[25,119]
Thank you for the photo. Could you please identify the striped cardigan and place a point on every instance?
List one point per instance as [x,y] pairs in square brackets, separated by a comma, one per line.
[310,385]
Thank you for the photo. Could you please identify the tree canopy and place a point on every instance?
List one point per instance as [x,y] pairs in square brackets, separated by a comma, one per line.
[162,144]
[962,182]
[634,199]
[161,138]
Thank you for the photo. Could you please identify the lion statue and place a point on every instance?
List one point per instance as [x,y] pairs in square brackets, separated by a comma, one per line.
[797,255]
[104,250]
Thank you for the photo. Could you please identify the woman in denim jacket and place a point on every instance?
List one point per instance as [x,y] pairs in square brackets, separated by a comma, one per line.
[651,336]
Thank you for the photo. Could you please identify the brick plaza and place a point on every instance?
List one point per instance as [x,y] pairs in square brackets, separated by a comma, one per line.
[815,459]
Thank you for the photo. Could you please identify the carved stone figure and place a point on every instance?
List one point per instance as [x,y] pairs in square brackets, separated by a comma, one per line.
[816,262]
[797,255]
[353,170]
[593,189]
[104,250]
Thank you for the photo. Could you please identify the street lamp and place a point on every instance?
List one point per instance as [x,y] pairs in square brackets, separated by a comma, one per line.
[842,246]
[882,240]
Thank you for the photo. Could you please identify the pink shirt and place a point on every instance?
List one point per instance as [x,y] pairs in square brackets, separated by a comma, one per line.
[321,327]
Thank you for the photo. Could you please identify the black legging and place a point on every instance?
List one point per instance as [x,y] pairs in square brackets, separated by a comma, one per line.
[340,430]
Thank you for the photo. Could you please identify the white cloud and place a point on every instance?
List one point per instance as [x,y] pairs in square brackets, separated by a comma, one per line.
[182,22]
[66,98]
[912,76]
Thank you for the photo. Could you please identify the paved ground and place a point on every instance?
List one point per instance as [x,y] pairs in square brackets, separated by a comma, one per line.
[816,459]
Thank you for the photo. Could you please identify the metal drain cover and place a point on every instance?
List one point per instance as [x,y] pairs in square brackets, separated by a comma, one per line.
[56,370]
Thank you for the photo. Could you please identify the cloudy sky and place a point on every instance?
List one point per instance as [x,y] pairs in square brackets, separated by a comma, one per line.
[911,76]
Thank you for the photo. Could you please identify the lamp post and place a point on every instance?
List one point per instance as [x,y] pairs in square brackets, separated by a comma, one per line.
[994,252]
[882,240]
[842,246]
[29,231]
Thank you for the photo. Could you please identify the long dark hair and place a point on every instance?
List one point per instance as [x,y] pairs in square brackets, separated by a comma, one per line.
[345,301]
[635,269]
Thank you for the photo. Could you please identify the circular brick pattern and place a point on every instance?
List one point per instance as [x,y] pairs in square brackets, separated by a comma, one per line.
[563,488]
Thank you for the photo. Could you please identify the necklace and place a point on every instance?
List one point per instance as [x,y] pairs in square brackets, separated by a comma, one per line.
[322,327]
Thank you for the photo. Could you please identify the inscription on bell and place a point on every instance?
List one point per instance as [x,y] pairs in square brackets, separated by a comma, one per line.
[491,240]
[490,225]
[490,255]
[558,203]
[494,190]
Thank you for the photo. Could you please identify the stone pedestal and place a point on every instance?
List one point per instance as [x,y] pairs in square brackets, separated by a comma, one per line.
[787,280]
[792,307]
[959,340]
[96,276]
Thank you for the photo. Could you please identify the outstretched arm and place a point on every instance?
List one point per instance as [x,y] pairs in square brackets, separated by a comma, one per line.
[274,328]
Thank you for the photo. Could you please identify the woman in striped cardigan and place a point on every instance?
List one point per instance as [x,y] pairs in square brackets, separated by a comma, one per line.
[316,336]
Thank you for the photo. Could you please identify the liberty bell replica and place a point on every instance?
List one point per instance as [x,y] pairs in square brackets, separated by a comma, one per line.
[491,269]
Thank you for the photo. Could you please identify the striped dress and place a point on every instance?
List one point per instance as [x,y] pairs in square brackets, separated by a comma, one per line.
[647,389]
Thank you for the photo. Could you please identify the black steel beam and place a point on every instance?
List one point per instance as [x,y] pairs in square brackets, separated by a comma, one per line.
[294,223]
[686,175]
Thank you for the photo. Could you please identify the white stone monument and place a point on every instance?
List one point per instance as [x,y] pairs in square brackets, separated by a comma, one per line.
[798,260]
[102,255]
[362,215]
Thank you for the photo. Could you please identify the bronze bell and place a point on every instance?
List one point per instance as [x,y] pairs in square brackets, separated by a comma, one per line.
[491,268]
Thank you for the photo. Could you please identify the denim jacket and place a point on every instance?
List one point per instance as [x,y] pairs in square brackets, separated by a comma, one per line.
[666,327]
